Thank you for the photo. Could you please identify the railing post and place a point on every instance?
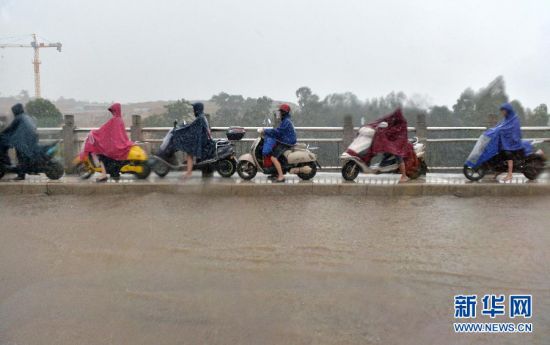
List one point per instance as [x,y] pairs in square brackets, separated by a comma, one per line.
[492,120]
[136,130]
[421,128]
[70,145]
[348,133]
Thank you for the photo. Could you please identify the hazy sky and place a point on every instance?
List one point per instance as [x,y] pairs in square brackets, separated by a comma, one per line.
[132,50]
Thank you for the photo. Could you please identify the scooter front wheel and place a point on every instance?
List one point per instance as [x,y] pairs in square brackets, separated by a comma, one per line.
[473,174]
[160,168]
[54,170]
[246,170]
[350,171]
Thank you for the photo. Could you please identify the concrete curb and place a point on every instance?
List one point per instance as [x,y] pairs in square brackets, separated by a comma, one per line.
[261,189]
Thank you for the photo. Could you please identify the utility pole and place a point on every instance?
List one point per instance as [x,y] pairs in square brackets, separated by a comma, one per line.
[36,61]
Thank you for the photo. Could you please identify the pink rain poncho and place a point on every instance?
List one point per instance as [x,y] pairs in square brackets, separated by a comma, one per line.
[110,139]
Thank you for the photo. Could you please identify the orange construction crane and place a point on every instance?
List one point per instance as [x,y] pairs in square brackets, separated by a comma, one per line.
[36,61]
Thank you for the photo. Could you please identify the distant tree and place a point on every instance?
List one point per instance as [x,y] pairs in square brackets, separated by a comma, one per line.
[440,116]
[256,110]
[489,99]
[310,112]
[230,107]
[539,116]
[520,111]
[178,111]
[472,108]
[45,112]
[465,106]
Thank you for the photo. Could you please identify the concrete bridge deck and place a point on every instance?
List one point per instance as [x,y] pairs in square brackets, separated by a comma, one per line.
[322,184]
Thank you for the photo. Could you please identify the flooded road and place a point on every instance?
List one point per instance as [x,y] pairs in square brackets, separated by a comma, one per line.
[171,269]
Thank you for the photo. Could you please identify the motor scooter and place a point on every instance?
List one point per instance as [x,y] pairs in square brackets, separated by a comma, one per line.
[530,161]
[222,158]
[49,165]
[136,163]
[297,159]
[356,158]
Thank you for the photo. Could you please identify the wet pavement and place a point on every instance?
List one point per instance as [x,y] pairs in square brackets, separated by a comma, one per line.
[177,269]
[324,178]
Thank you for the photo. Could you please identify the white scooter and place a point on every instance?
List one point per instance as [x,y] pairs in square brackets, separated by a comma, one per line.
[298,160]
[352,164]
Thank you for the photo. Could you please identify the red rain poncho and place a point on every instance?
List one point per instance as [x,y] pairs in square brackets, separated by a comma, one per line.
[392,139]
[110,139]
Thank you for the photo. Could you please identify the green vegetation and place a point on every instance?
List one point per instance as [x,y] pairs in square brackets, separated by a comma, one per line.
[178,111]
[45,112]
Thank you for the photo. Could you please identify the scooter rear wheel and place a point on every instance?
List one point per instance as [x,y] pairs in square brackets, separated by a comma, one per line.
[311,174]
[83,171]
[533,168]
[473,174]
[246,170]
[145,172]
[350,171]
[226,167]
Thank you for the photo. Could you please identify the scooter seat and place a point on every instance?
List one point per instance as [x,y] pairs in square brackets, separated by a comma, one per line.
[299,146]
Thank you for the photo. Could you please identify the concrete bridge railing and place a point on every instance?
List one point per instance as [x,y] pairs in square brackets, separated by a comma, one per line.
[331,140]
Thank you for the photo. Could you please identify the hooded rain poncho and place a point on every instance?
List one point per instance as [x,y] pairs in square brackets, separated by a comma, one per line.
[110,139]
[21,134]
[194,138]
[505,136]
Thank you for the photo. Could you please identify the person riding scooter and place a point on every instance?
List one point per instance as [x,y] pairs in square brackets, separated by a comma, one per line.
[21,134]
[109,141]
[509,133]
[392,139]
[278,140]
[194,139]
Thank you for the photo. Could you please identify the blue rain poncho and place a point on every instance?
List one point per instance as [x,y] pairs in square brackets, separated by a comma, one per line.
[505,136]
[284,134]
[194,138]
[21,134]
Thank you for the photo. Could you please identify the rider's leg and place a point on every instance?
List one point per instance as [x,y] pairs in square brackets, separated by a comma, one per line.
[267,149]
[402,169]
[509,156]
[278,167]
[189,171]
[510,170]
[99,163]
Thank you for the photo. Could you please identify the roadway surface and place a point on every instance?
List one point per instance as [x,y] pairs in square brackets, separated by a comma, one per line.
[320,178]
[324,184]
[164,268]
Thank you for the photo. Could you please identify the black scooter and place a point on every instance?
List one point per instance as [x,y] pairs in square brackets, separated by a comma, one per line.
[222,159]
[530,164]
[48,165]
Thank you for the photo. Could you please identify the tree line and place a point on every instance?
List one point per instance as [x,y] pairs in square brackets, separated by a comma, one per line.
[471,109]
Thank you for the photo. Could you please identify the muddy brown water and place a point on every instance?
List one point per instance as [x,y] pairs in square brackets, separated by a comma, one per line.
[171,269]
